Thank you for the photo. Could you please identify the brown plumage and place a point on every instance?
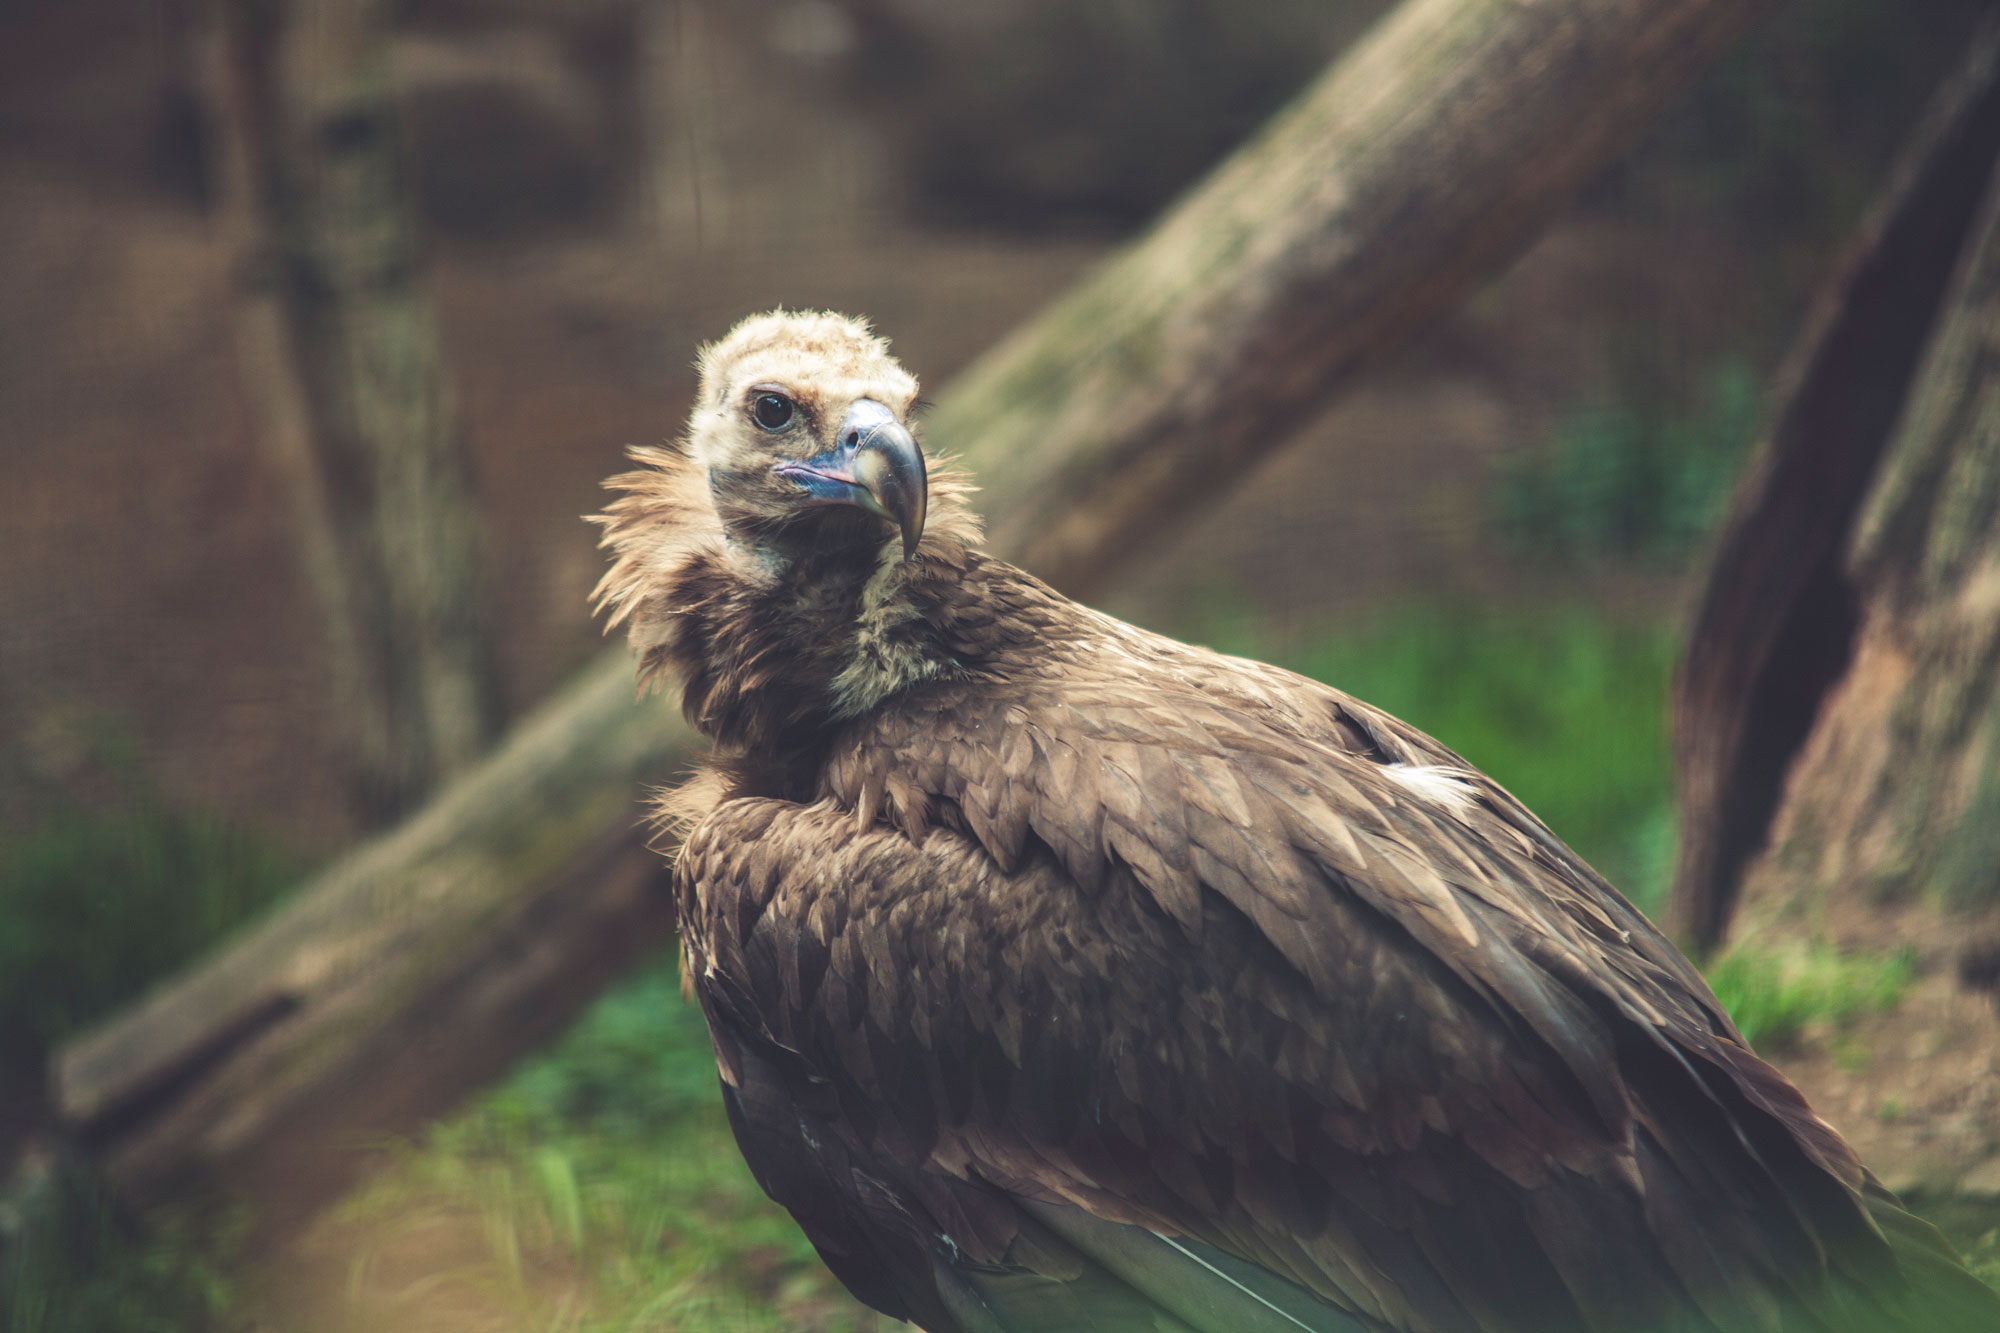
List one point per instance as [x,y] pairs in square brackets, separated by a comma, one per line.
[1063,976]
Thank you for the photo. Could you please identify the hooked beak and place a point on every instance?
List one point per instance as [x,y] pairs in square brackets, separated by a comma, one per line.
[875,464]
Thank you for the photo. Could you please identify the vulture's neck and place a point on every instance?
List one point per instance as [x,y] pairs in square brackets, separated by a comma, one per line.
[775,646]
[775,649]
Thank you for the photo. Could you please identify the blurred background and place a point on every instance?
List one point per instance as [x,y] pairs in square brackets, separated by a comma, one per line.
[1494,534]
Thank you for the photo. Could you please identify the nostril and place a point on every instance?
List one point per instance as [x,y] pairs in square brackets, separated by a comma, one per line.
[853,438]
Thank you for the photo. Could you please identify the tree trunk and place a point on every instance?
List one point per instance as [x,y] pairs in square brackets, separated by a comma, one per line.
[1419,164]
[1881,830]
[1776,621]
[1897,790]
[342,357]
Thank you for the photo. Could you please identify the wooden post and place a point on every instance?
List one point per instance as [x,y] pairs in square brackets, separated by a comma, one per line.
[341,356]
[1416,166]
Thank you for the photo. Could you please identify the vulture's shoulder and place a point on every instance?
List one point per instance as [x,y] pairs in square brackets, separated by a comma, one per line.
[1198,772]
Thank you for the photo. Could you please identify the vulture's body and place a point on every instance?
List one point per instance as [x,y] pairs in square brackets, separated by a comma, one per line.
[1062,976]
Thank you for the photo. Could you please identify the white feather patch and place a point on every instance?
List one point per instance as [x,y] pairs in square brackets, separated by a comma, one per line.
[1440,785]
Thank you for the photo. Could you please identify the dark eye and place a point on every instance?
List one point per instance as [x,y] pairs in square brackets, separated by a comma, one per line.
[772,411]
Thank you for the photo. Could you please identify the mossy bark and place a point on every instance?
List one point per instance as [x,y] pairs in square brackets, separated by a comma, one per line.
[1896,792]
[1778,621]
[416,967]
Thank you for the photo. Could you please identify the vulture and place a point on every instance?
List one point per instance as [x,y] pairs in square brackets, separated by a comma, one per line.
[1062,976]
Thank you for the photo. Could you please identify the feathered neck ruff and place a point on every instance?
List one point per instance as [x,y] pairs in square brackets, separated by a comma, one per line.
[774,645]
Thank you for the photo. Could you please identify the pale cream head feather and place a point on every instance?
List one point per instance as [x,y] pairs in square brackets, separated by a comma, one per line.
[667,514]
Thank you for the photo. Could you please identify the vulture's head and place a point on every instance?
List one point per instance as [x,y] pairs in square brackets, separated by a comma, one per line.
[798,501]
[802,426]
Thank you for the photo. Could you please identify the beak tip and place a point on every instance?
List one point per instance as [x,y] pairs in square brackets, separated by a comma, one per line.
[877,465]
[898,481]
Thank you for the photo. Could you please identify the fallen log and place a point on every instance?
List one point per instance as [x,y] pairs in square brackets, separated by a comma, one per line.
[413,969]
[410,971]
[1422,162]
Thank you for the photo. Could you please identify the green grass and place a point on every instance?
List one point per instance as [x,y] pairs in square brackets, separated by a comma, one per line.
[97,904]
[72,1261]
[1779,997]
[98,900]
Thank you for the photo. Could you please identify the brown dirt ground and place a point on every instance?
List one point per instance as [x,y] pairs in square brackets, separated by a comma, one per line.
[1916,1089]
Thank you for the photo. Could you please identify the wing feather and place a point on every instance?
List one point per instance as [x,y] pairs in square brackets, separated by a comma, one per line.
[1178,950]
